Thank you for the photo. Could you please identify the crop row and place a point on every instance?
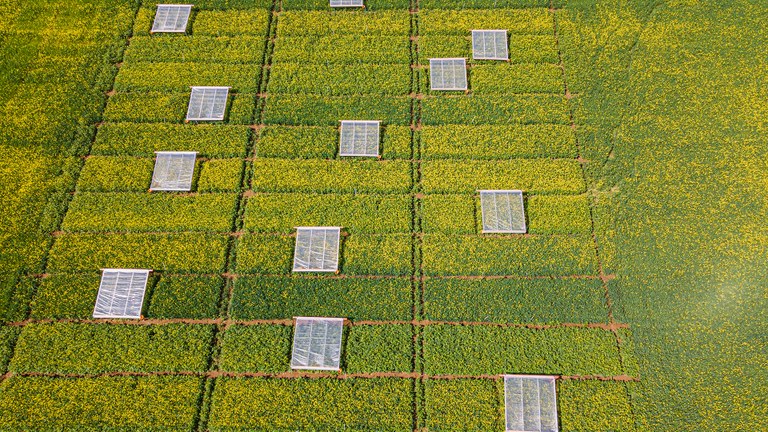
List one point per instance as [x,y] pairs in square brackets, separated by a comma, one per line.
[168,403]
[361,254]
[342,49]
[462,22]
[72,296]
[296,23]
[195,48]
[323,142]
[171,107]
[546,214]
[252,22]
[134,174]
[336,80]
[178,77]
[544,301]
[523,48]
[135,139]
[133,212]
[508,79]
[497,142]
[448,214]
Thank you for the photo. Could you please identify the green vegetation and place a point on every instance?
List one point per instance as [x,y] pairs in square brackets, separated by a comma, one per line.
[464,404]
[497,142]
[323,142]
[487,109]
[354,298]
[336,80]
[342,49]
[259,348]
[544,301]
[96,348]
[315,110]
[155,404]
[320,404]
[480,350]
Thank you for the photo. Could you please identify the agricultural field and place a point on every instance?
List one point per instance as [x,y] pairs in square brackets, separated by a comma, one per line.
[436,311]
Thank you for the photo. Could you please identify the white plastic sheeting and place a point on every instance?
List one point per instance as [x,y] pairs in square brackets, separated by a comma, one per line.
[171,18]
[317,249]
[503,211]
[317,343]
[346,3]
[448,74]
[359,138]
[530,403]
[489,45]
[173,171]
[121,293]
[207,103]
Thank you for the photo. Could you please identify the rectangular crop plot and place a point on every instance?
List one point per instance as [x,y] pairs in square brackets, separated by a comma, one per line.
[121,293]
[359,138]
[173,171]
[530,403]
[317,249]
[317,343]
[489,45]
[207,103]
[503,211]
[448,74]
[171,18]
[346,3]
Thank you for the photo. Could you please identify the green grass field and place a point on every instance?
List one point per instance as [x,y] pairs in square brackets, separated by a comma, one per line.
[636,129]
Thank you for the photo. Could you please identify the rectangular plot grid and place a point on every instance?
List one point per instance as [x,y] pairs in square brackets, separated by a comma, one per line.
[346,3]
[317,343]
[171,18]
[317,249]
[489,45]
[207,103]
[530,403]
[359,138]
[448,74]
[173,171]
[503,211]
[121,293]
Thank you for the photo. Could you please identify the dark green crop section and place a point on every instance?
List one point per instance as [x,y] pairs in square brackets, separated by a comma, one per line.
[340,176]
[506,79]
[296,23]
[371,5]
[513,254]
[149,212]
[186,297]
[545,214]
[323,142]
[170,107]
[98,348]
[118,404]
[382,404]
[7,337]
[315,110]
[356,213]
[177,77]
[132,139]
[540,301]
[72,296]
[240,49]
[120,173]
[233,23]
[548,176]
[343,49]
[481,350]
[353,298]
[360,254]
[464,405]
[338,80]
[378,348]
[462,22]
[484,109]
[256,348]
[186,252]
[498,142]
[523,48]
[595,406]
